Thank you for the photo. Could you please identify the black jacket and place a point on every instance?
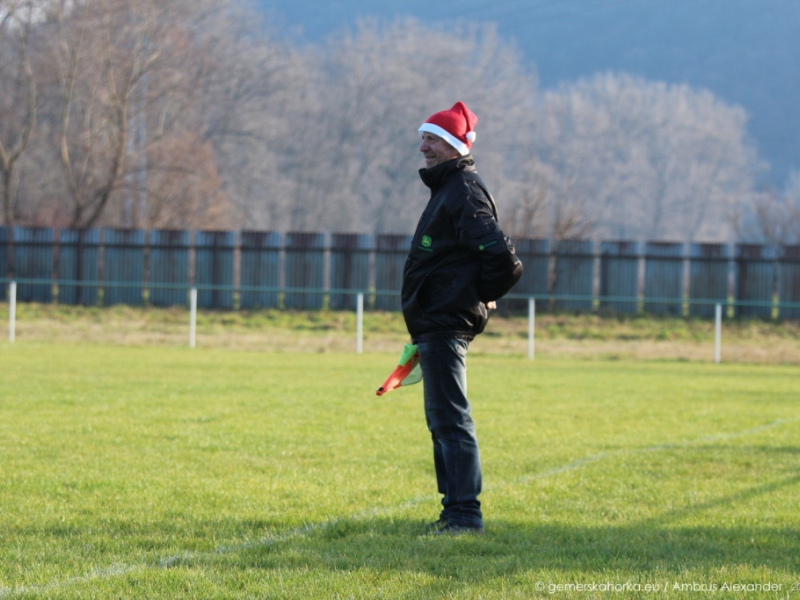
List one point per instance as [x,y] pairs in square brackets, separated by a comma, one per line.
[459,260]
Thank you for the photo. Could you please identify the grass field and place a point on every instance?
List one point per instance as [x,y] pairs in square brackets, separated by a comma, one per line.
[152,471]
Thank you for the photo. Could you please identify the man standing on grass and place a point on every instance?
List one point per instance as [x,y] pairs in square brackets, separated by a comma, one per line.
[460,263]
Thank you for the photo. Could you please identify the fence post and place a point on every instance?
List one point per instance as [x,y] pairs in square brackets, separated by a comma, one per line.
[12,311]
[192,316]
[360,323]
[717,333]
[531,325]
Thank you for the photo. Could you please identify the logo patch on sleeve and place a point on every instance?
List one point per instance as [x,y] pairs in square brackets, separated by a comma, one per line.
[426,241]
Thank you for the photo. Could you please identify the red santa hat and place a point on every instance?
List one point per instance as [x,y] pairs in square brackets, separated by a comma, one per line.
[455,126]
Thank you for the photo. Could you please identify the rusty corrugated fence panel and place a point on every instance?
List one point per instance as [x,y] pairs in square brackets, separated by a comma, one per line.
[305,269]
[709,277]
[757,272]
[789,286]
[123,262]
[260,268]
[574,273]
[78,260]
[663,277]
[391,251]
[756,278]
[33,259]
[535,257]
[350,258]
[169,265]
[214,256]
[619,275]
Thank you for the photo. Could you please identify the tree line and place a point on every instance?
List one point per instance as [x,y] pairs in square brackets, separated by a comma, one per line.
[197,114]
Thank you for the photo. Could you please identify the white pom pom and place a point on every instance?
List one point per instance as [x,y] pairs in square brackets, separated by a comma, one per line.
[471,136]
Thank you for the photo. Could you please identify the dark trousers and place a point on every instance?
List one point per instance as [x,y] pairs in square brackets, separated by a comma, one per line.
[455,446]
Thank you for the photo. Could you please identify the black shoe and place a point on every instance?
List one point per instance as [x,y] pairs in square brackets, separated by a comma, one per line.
[436,527]
[453,529]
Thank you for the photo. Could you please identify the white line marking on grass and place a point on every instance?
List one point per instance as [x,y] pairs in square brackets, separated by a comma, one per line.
[114,570]
[117,569]
[698,442]
[575,464]
[306,529]
[759,429]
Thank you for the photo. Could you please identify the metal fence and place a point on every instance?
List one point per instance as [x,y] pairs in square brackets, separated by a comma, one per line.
[309,270]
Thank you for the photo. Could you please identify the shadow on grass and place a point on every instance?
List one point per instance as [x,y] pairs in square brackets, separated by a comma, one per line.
[514,549]
[657,545]
[739,497]
[509,548]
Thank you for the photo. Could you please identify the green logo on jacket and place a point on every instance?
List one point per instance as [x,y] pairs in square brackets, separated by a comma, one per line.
[426,241]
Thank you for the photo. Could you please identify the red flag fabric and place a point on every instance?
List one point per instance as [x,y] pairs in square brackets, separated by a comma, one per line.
[407,372]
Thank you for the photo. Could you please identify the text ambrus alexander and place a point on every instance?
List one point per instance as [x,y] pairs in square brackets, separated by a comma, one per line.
[648,588]
[727,587]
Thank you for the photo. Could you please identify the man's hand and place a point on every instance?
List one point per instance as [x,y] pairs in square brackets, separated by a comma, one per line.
[491,305]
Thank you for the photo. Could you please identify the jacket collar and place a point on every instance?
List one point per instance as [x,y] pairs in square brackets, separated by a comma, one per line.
[436,176]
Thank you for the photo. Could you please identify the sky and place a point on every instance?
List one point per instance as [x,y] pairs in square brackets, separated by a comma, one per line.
[747,52]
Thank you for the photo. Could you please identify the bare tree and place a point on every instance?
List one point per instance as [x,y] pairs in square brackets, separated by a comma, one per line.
[792,196]
[354,165]
[771,216]
[655,160]
[257,112]
[18,104]
[95,98]
[152,114]
[189,113]
[128,82]
[527,212]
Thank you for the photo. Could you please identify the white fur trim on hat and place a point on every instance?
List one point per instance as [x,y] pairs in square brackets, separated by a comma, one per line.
[460,146]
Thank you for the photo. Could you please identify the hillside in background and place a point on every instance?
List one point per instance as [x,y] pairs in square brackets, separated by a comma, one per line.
[745,51]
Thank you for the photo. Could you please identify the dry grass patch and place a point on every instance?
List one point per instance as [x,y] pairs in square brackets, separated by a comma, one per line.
[585,336]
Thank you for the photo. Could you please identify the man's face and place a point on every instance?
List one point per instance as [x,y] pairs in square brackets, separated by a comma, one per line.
[436,150]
